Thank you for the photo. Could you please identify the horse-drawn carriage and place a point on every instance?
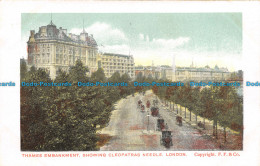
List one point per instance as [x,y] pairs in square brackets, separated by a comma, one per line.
[142,108]
[154,111]
[160,124]
[148,104]
[155,102]
[179,120]
[139,103]
[166,138]
[201,125]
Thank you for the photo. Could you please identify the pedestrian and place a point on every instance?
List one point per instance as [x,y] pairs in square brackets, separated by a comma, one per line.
[166,126]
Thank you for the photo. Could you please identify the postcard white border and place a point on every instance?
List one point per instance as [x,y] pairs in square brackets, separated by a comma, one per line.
[10,48]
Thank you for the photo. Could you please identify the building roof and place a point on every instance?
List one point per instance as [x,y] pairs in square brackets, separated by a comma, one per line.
[120,55]
[51,32]
[202,69]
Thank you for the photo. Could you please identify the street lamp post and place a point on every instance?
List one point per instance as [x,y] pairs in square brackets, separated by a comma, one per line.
[148,121]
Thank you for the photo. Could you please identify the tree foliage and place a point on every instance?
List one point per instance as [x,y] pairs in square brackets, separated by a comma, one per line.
[221,104]
[59,118]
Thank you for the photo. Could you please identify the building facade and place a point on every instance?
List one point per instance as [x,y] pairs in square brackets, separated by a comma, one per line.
[148,71]
[201,74]
[53,49]
[184,73]
[112,63]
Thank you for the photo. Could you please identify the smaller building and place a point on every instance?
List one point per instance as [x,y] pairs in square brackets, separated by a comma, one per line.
[112,63]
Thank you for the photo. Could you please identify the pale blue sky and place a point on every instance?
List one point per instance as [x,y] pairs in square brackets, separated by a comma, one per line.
[208,38]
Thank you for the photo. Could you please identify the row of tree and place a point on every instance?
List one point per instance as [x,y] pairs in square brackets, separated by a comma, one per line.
[66,118]
[221,104]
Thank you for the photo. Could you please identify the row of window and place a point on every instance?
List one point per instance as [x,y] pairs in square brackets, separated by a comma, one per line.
[118,67]
[116,60]
[122,64]
[120,71]
[199,73]
[62,48]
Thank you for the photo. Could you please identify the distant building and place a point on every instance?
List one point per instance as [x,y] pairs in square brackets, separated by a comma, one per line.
[184,73]
[112,63]
[53,49]
[201,74]
[148,71]
[236,76]
[167,72]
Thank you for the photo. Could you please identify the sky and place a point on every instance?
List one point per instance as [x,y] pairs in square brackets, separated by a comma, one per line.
[202,38]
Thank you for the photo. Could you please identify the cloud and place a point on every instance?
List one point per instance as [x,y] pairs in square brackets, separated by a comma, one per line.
[158,50]
[114,40]
[104,33]
[184,58]
[146,49]
[141,36]
[170,43]
[118,49]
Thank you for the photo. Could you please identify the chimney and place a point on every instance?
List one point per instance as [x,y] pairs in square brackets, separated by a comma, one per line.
[32,33]
[31,38]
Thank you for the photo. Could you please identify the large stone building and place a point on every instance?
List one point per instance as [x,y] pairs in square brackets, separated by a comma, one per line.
[53,49]
[112,63]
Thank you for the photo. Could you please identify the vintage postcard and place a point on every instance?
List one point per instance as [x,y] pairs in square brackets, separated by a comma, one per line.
[173,86]
[100,82]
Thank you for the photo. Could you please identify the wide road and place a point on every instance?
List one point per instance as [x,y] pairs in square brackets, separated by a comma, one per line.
[130,129]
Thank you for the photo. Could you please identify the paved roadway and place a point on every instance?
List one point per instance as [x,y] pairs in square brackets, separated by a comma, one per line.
[128,128]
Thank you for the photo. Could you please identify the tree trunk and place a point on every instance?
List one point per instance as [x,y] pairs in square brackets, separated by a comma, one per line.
[185,112]
[180,109]
[225,135]
[196,119]
[204,124]
[217,129]
[177,108]
[214,128]
[190,115]
[170,105]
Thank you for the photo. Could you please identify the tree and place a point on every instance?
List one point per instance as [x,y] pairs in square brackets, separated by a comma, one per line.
[99,76]
[230,113]
[78,72]
[69,122]
[206,104]
[115,77]
[125,78]
[62,76]
[140,77]
[196,102]
[23,70]
[34,103]
[186,93]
